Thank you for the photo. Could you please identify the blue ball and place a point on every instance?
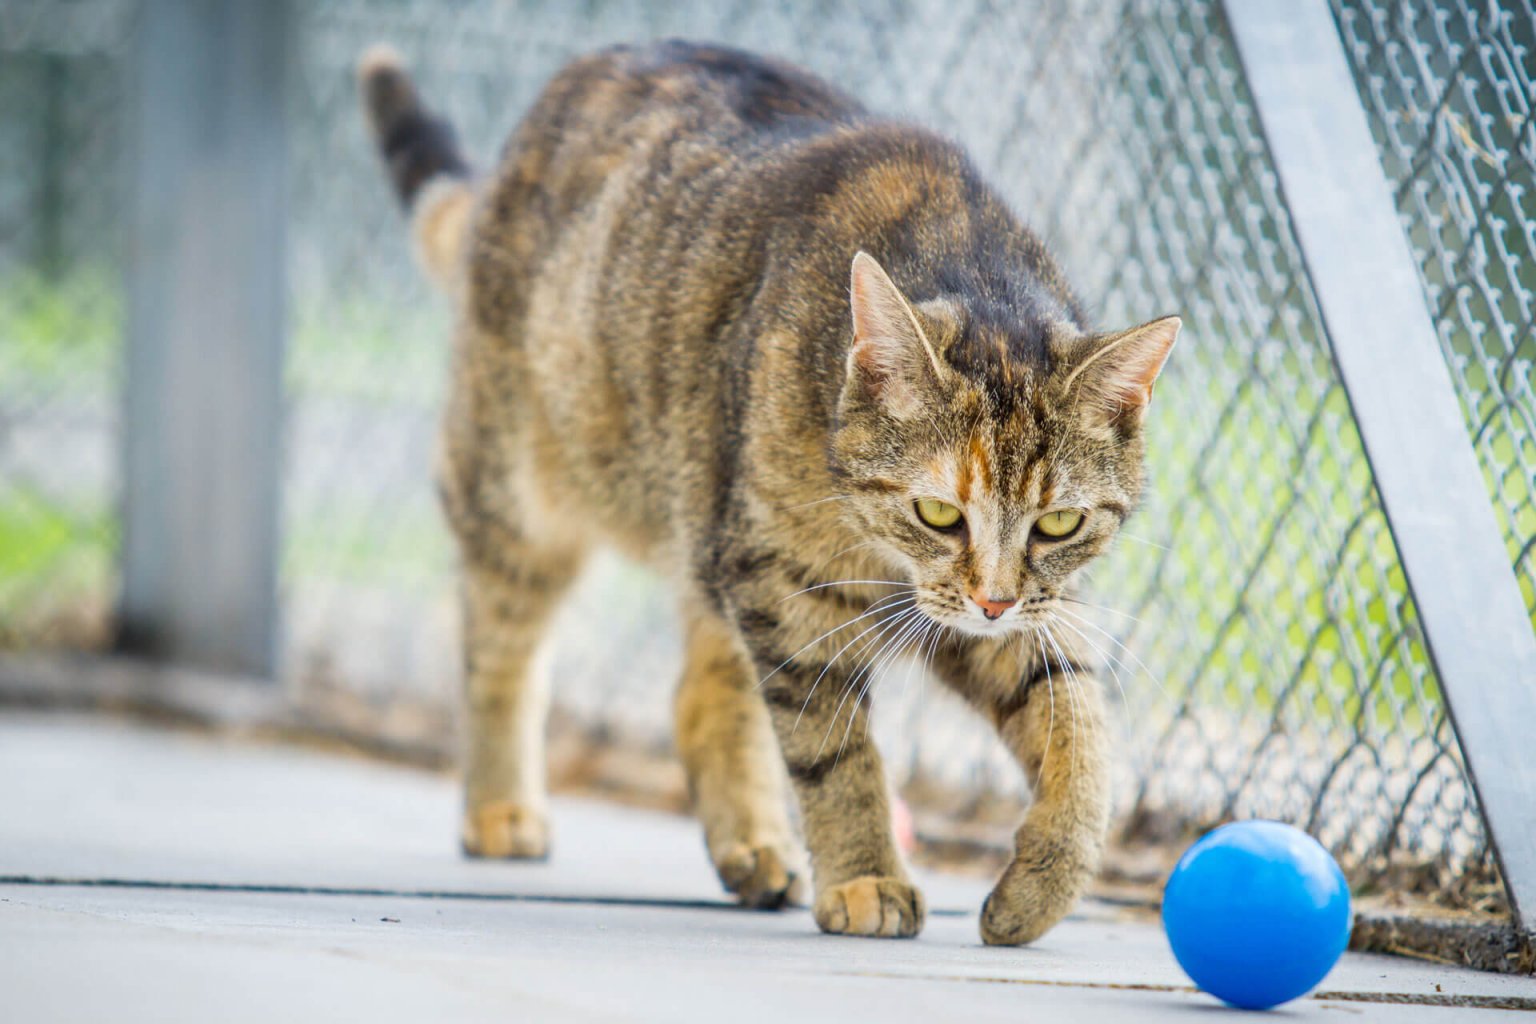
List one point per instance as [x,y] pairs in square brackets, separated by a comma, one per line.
[1257,913]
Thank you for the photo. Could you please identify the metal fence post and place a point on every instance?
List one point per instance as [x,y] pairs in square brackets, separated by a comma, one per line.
[1476,628]
[205,328]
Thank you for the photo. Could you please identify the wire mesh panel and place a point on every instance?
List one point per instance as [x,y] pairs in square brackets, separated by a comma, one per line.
[1450,92]
[1265,655]
[62,68]
[1275,614]
[1255,613]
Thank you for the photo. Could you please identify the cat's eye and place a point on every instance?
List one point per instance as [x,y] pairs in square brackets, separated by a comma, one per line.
[1059,524]
[940,515]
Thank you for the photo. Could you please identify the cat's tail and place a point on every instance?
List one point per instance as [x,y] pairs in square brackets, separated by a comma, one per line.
[421,154]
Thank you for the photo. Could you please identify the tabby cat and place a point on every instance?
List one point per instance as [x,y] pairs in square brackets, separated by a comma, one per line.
[804,362]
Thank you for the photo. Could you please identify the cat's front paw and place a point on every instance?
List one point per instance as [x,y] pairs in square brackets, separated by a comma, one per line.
[1039,888]
[889,908]
[505,830]
[764,876]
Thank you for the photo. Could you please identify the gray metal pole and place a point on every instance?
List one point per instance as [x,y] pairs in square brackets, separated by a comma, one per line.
[1476,628]
[205,330]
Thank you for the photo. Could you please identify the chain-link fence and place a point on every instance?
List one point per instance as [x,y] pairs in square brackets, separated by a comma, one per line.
[1296,684]
[1265,651]
[61,318]
[1450,94]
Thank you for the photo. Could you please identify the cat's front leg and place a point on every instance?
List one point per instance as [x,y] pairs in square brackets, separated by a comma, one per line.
[1050,714]
[821,719]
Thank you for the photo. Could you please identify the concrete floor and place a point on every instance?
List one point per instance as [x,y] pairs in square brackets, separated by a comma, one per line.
[150,874]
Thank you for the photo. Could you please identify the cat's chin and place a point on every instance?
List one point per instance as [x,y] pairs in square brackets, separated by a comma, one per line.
[1000,629]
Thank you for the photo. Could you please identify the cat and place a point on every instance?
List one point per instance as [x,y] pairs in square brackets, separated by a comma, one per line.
[804,362]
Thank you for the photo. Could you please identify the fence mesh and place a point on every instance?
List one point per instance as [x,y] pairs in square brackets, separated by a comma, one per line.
[1449,91]
[1256,615]
[1272,607]
[61,318]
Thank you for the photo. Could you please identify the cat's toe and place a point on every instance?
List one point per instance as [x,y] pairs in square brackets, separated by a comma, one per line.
[505,830]
[763,876]
[1036,891]
[1007,920]
[890,908]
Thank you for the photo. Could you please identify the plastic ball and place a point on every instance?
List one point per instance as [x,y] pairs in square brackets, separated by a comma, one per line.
[1257,913]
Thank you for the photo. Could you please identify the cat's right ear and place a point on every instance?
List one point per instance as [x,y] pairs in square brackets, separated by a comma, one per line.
[891,361]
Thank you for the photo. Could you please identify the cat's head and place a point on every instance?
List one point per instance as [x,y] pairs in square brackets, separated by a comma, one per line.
[994,465]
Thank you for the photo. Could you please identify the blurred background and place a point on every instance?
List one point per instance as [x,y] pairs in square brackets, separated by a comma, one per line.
[1266,655]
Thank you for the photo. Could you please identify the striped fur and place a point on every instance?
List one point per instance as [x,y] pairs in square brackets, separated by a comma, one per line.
[669,343]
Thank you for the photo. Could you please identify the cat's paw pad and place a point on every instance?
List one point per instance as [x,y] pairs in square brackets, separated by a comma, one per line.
[890,908]
[502,829]
[764,877]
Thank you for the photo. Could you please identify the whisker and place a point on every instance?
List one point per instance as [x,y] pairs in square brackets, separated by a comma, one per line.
[820,566]
[1070,674]
[912,665]
[1116,641]
[849,583]
[911,640]
[882,625]
[818,501]
[1066,678]
[1108,656]
[823,563]
[1102,608]
[891,650]
[872,609]
[929,640]
[905,622]
[1109,660]
[868,664]
[1050,692]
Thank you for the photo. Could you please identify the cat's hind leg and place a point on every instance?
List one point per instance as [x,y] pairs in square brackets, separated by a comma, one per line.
[508,602]
[735,775]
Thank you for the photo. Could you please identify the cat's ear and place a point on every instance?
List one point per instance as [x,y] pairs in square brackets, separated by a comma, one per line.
[1115,372]
[891,359]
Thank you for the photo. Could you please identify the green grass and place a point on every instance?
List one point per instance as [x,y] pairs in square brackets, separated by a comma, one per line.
[59,342]
[38,536]
[54,558]
[59,334]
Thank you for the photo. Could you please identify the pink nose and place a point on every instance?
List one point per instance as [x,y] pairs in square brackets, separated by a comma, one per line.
[991,607]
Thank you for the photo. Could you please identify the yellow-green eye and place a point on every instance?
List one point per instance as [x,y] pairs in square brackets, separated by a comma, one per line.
[940,515]
[1063,523]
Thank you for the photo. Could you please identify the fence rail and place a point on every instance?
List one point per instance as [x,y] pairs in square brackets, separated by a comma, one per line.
[1261,612]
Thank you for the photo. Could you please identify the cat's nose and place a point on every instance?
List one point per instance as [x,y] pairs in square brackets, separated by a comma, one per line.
[993,607]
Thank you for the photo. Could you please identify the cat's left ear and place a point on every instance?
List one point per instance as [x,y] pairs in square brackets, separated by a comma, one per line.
[1117,371]
[891,360]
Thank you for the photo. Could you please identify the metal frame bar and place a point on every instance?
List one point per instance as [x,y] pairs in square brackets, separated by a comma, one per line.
[205,330]
[1476,627]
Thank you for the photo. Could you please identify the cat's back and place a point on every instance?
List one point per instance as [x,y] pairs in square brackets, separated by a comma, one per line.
[641,123]
[637,97]
[616,171]
[701,90]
